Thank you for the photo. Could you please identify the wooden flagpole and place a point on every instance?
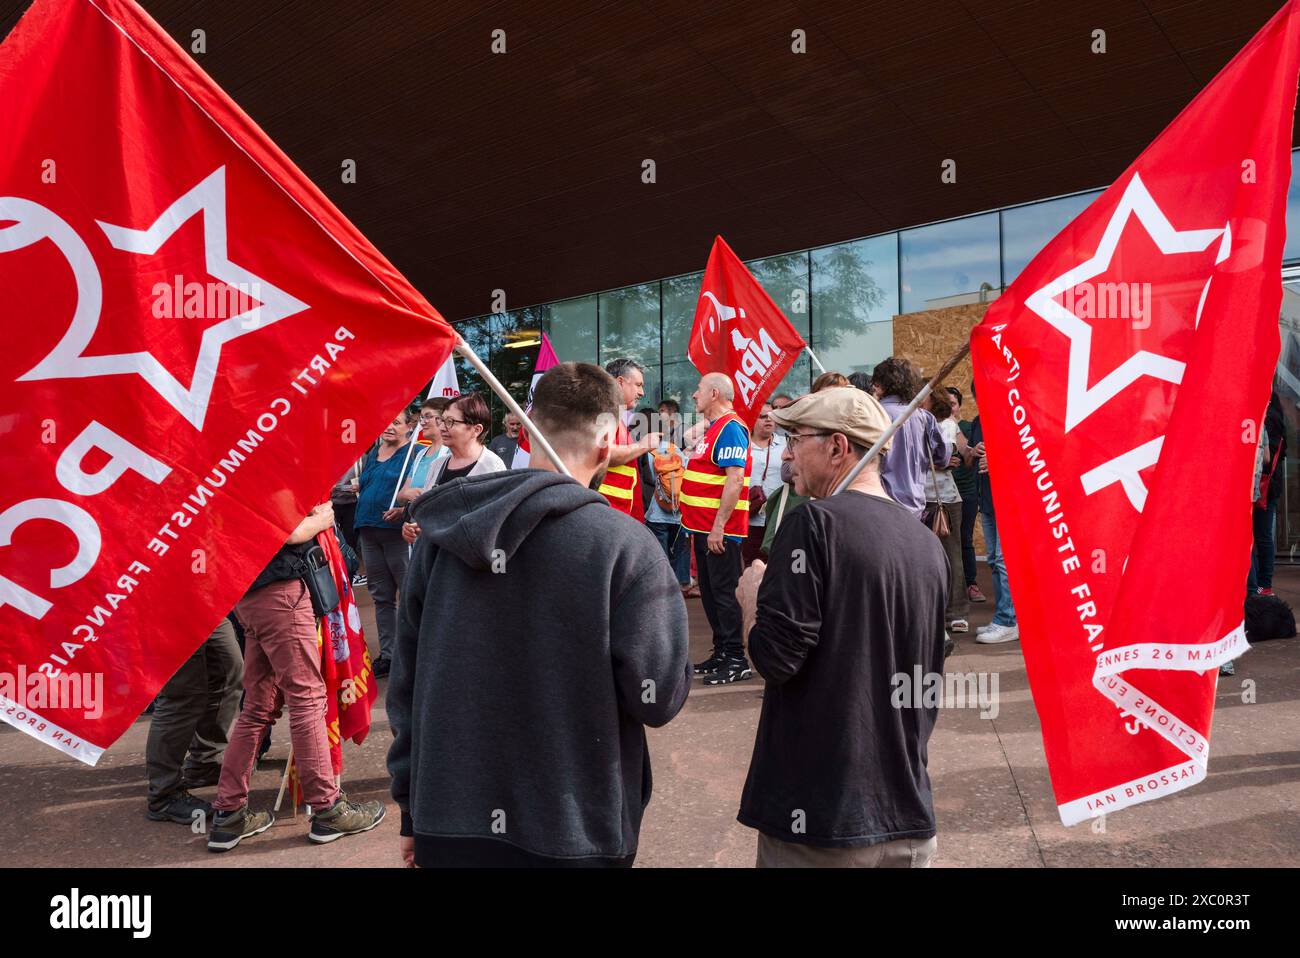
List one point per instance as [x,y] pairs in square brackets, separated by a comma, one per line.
[944,372]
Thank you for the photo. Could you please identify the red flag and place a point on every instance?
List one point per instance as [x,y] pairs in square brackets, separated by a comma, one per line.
[546,358]
[160,438]
[739,331]
[1122,379]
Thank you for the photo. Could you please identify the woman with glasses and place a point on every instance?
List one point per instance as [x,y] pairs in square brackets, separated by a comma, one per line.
[464,426]
[432,450]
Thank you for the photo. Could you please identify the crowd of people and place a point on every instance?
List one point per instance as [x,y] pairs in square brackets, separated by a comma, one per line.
[531,624]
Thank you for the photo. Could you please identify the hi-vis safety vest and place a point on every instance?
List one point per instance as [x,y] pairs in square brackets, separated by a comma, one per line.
[622,484]
[702,486]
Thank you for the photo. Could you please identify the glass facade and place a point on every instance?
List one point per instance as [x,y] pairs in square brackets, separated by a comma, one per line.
[842,299]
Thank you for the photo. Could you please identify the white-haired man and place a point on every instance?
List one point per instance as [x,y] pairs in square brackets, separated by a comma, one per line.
[715,509]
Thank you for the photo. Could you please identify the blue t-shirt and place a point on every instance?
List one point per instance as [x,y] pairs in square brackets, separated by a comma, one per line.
[732,446]
[378,480]
[423,463]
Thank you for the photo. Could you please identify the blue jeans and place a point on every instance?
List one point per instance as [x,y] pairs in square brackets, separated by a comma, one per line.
[1004,613]
[676,545]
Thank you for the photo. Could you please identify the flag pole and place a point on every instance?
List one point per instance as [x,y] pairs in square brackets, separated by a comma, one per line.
[813,356]
[411,443]
[471,357]
[935,380]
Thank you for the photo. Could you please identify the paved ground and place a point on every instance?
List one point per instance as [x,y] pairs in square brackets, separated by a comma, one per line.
[992,794]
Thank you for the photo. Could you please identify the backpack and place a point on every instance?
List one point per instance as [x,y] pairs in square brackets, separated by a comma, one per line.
[1268,617]
[668,478]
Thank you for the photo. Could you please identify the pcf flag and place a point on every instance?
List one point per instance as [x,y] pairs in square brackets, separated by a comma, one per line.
[1122,379]
[204,344]
[739,331]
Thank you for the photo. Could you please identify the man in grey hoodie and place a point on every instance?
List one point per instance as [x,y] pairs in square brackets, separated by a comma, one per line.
[539,632]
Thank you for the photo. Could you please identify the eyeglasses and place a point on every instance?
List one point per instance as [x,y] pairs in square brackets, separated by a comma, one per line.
[447,421]
[792,439]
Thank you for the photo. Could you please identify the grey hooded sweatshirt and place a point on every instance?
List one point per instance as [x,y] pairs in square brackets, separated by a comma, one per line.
[539,632]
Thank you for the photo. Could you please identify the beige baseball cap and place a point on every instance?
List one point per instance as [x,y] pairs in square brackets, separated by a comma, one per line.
[845,409]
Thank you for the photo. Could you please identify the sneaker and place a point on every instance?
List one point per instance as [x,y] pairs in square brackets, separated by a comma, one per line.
[730,670]
[1227,668]
[1264,592]
[231,828]
[984,628]
[345,817]
[202,776]
[179,807]
[959,625]
[709,666]
[974,594]
[949,645]
[359,581]
[998,633]
[382,667]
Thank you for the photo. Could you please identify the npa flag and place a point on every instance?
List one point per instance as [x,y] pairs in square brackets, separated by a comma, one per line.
[546,358]
[199,344]
[445,383]
[1122,379]
[739,331]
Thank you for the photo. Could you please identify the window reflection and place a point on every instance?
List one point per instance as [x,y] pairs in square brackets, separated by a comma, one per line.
[1027,229]
[855,297]
[950,264]
[629,326]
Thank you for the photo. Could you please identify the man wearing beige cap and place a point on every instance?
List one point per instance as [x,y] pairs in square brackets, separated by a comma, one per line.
[848,610]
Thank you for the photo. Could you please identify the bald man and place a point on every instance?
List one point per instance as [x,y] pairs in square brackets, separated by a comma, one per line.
[715,509]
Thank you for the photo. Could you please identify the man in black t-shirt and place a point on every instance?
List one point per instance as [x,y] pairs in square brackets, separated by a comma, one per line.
[850,606]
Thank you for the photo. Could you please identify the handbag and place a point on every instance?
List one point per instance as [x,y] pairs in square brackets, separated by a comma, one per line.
[938,519]
[314,569]
[757,494]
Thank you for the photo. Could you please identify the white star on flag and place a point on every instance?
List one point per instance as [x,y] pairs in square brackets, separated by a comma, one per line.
[1080,401]
[66,361]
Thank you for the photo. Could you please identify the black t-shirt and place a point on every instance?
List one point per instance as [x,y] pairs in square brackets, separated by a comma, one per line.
[448,474]
[854,595]
[284,565]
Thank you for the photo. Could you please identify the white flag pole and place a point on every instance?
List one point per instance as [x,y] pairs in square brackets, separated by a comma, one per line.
[813,356]
[410,447]
[897,424]
[534,433]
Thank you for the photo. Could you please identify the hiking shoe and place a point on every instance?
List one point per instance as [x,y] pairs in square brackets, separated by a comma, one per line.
[998,633]
[202,776]
[974,594]
[179,807]
[709,666]
[728,671]
[231,828]
[959,625]
[345,817]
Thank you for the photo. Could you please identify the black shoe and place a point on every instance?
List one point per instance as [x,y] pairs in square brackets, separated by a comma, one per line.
[202,776]
[179,807]
[231,828]
[949,644]
[731,670]
[382,667]
[709,666]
